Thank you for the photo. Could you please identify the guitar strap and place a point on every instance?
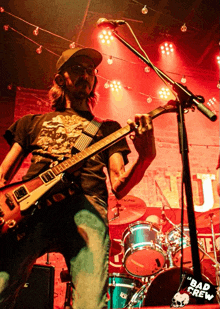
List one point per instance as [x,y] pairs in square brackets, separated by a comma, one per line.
[83,141]
[88,134]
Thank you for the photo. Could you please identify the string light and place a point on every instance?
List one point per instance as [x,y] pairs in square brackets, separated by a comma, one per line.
[183,79]
[144,10]
[183,28]
[147,69]
[72,45]
[110,60]
[36,31]
[218,59]
[39,50]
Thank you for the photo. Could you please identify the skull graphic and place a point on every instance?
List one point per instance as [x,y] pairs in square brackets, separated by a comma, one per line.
[179,300]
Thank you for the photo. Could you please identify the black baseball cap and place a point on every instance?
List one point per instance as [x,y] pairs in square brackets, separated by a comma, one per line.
[68,56]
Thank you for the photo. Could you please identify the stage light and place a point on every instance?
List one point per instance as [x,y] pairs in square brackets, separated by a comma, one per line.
[212,103]
[110,60]
[183,28]
[167,48]
[106,37]
[115,86]
[36,31]
[144,10]
[72,45]
[165,94]
[39,50]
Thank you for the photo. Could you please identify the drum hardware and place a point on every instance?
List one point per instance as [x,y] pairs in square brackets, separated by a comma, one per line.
[137,297]
[212,217]
[176,238]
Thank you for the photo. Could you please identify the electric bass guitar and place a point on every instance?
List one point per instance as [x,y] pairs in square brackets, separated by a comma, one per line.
[18,199]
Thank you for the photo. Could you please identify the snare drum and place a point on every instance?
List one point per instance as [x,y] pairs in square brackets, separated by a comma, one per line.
[174,242]
[121,289]
[143,249]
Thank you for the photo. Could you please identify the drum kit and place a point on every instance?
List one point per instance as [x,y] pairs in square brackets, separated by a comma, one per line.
[154,260]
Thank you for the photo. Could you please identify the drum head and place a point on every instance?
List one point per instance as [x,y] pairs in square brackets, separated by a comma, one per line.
[165,285]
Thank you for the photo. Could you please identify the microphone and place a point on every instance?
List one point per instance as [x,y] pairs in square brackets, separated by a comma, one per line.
[109,23]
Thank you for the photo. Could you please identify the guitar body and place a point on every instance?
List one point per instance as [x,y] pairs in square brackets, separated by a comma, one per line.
[18,198]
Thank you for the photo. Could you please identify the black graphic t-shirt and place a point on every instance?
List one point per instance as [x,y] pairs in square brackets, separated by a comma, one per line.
[51,137]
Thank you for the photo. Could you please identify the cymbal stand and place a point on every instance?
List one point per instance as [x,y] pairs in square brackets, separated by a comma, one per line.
[217,265]
[139,295]
[117,213]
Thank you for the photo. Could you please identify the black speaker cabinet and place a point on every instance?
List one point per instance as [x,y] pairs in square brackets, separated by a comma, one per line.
[38,292]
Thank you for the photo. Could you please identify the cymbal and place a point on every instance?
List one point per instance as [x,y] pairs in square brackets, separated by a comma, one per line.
[126,210]
[204,219]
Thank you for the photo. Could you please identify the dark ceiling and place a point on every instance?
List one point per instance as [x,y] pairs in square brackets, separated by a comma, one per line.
[76,21]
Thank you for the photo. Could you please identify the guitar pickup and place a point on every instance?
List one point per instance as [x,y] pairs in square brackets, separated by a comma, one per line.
[20,193]
[9,201]
[47,176]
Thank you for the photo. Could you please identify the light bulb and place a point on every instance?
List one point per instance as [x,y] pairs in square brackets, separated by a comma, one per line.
[2,9]
[72,45]
[39,50]
[106,85]
[218,85]
[184,28]
[183,79]
[144,10]
[149,100]
[36,31]
[147,69]
[6,27]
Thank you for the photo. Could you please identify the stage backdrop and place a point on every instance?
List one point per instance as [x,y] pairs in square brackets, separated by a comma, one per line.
[161,185]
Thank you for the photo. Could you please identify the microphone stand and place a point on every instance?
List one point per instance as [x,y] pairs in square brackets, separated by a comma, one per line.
[185,99]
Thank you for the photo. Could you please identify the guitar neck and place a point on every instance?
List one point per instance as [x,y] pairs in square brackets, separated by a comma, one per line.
[104,143]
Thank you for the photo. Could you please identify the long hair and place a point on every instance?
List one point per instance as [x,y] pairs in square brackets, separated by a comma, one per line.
[58,100]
